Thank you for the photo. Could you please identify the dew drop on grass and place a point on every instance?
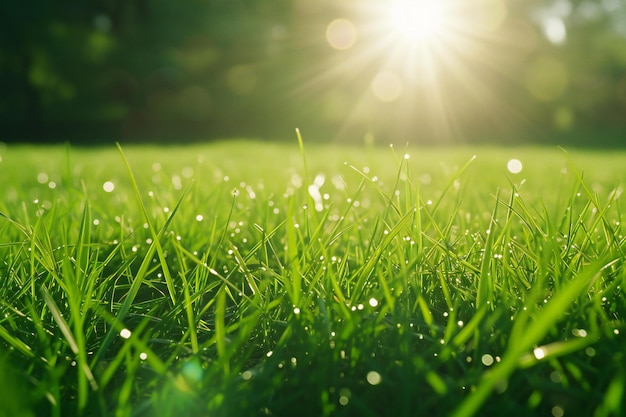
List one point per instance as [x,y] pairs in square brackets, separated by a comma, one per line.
[344,396]
[487,359]
[108,186]
[187,172]
[143,356]
[557,411]
[42,178]
[373,378]
[296,310]
[125,333]
[373,302]
[556,377]
[514,166]
[246,375]
[192,371]
[199,217]
[539,353]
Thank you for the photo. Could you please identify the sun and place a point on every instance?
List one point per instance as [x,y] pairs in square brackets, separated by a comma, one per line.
[417,20]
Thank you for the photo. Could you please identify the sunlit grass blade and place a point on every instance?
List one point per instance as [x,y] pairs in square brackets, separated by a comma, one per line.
[137,280]
[80,353]
[155,236]
[16,343]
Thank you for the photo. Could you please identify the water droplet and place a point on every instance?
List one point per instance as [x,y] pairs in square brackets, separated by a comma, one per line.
[556,377]
[125,333]
[246,375]
[143,356]
[296,310]
[192,371]
[108,186]
[557,411]
[199,217]
[539,353]
[514,166]
[374,378]
[344,396]
[487,359]
[187,172]
[373,302]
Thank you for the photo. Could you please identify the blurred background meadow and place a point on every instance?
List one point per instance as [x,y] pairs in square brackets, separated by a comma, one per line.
[375,71]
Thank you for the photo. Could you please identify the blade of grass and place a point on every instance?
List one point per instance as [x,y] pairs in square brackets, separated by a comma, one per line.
[533,333]
[155,236]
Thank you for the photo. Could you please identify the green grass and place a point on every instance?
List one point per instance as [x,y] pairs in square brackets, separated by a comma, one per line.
[246,278]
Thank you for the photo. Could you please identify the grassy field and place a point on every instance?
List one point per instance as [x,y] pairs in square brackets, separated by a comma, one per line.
[246,278]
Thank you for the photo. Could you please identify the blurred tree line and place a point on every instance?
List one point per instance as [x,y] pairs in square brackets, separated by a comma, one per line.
[163,70]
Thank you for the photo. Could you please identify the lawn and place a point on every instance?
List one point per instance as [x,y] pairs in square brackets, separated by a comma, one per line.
[245,278]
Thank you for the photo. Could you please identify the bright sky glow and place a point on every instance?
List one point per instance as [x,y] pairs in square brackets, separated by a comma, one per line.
[432,60]
[417,19]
